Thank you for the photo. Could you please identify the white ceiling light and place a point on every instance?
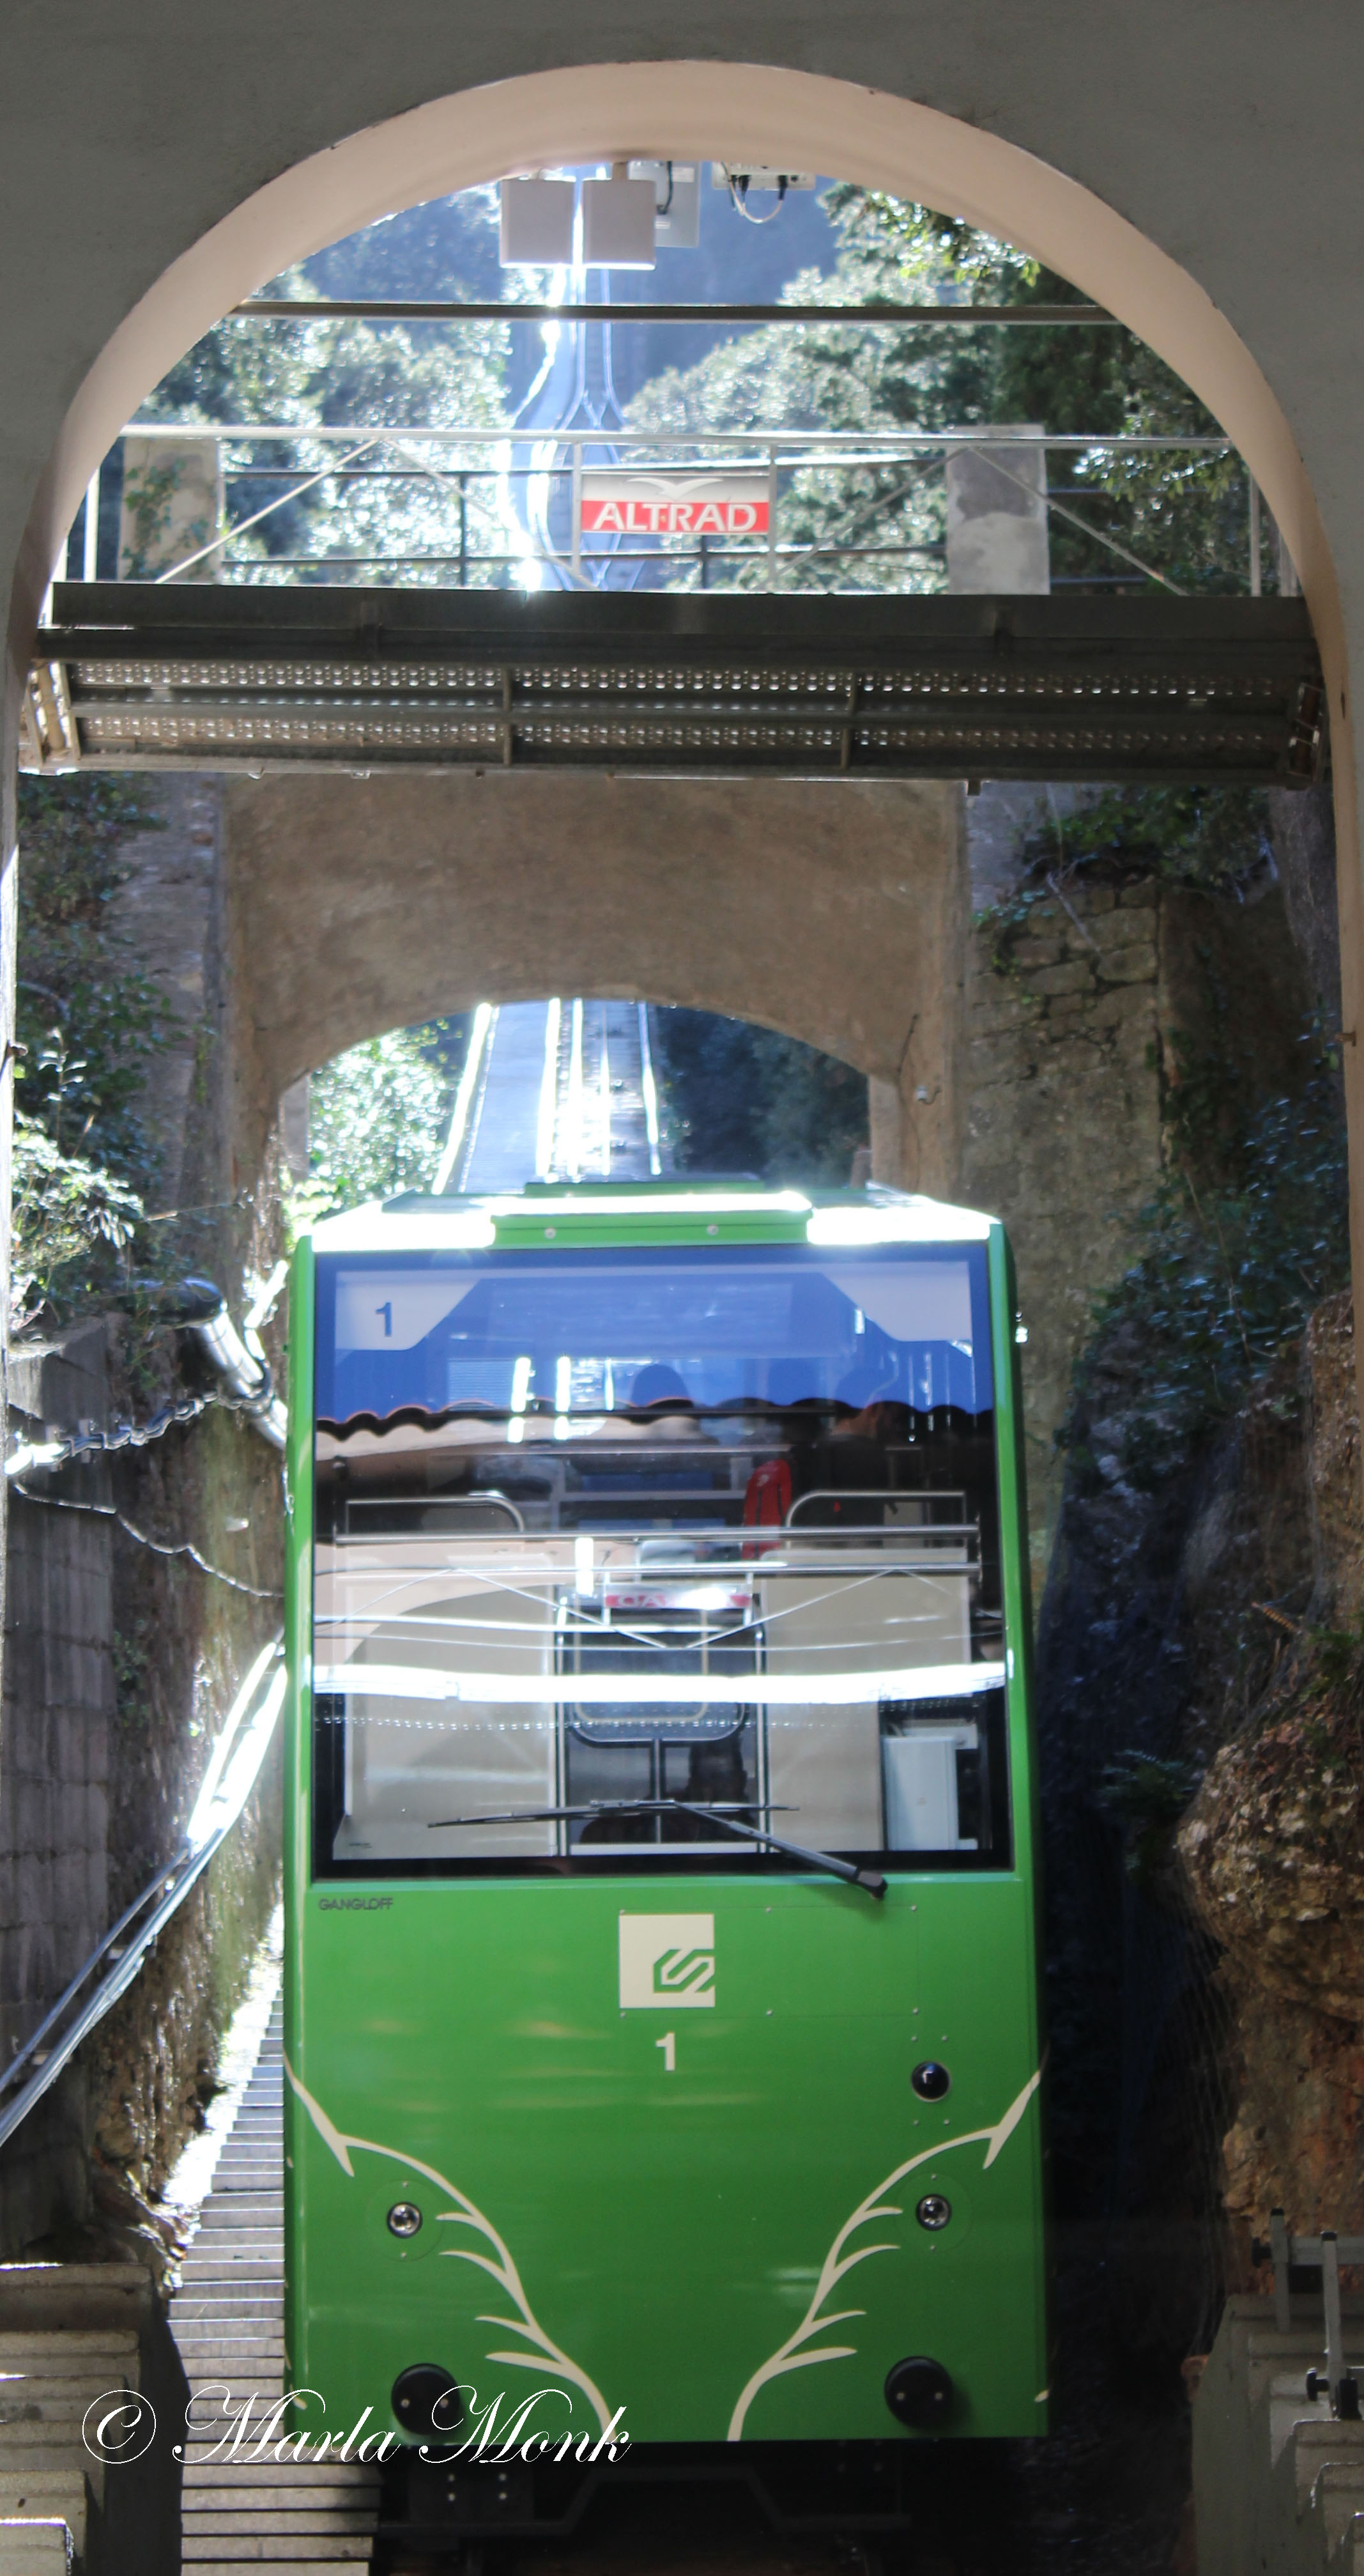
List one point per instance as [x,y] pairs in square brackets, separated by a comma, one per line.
[618,220]
[537,223]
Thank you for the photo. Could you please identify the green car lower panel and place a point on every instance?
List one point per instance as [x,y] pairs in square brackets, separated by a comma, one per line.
[667,2153]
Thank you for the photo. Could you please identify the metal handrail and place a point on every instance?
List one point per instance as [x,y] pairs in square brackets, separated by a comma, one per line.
[781,450]
[889,445]
[233,1769]
[1323,2253]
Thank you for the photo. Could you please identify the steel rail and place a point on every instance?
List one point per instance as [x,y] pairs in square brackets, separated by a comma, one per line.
[943,685]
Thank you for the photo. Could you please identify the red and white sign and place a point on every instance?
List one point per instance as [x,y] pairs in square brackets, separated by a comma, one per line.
[675,505]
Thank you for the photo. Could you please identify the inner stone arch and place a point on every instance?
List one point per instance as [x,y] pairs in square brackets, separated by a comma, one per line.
[836,914]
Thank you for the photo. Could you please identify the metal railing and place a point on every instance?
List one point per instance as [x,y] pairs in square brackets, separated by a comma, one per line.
[233,1770]
[467,461]
[240,1362]
[1323,2253]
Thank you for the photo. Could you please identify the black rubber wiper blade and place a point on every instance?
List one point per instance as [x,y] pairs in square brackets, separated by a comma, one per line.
[870,1879]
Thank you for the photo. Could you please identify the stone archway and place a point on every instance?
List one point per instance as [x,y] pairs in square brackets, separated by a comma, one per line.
[764,112]
[835,913]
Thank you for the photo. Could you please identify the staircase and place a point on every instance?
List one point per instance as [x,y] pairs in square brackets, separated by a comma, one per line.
[228,2323]
[71,2334]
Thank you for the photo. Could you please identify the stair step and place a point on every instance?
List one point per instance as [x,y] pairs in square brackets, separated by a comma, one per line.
[333,2518]
[322,2552]
[52,2495]
[310,2488]
[228,2321]
[33,2548]
[19,2352]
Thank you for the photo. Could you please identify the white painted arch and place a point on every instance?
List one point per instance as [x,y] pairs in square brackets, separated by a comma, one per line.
[714,110]
[737,111]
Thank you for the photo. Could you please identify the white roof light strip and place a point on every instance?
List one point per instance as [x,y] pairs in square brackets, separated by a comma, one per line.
[657,1203]
[368,1229]
[911,1221]
[372,1228]
[659,1690]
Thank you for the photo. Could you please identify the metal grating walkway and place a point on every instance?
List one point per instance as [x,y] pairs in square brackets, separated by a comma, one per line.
[228,2321]
[1071,686]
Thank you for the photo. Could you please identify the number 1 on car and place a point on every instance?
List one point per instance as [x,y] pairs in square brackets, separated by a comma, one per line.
[668,2044]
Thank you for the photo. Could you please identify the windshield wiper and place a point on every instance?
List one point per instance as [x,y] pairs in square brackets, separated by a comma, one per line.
[870,1879]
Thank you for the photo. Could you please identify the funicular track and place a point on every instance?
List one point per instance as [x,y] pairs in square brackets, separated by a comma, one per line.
[564,1090]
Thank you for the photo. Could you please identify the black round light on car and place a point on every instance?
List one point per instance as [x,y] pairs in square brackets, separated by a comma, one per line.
[427,2402]
[919,2394]
[933,2211]
[404,2218]
[930,2080]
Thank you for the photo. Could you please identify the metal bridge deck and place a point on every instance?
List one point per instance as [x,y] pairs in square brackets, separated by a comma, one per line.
[132,675]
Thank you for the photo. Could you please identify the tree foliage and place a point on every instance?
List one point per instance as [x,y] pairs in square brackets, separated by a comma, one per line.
[91,1023]
[746,1099]
[1184,514]
[1210,835]
[91,1026]
[378,1114]
[70,1219]
[328,373]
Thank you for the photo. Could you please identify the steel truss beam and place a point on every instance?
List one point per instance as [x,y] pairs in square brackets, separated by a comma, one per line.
[135,676]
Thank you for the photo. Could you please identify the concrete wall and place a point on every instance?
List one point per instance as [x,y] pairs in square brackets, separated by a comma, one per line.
[1278,2483]
[837,913]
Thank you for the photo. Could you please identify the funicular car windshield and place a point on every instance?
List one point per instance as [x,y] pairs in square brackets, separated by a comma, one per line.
[623,1555]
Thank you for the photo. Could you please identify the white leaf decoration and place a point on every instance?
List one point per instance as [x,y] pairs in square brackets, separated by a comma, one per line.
[499,2263]
[789,2355]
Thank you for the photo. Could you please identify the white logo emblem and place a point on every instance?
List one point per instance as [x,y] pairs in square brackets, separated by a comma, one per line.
[667,1962]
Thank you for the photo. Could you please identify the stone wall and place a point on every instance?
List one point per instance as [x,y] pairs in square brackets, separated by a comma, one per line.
[54,1781]
[1272,1849]
[1081,1026]
[121,1660]
[1063,1129]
